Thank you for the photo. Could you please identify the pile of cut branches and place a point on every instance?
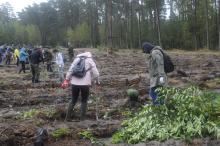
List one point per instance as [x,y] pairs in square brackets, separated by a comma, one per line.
[185,114]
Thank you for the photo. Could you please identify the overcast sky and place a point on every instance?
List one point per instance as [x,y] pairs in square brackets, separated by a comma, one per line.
[18,5]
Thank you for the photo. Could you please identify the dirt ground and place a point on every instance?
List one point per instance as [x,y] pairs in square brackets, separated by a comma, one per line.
[26,107]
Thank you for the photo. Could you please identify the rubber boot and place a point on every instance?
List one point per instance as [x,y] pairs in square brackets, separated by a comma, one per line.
[83,111]
[33,80]
[69,111]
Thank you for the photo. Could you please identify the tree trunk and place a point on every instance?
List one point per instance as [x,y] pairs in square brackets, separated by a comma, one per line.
[216,15]
[219,25]
[207,24]
[96,23]
[106,23]
[90,20]
[43,38]
[194,23]
[172,14]
[126,24]
[158,22]
[131,24]
[142,19]
[121,33]
[121,23]
[139,29]
[109,17]
[126,33]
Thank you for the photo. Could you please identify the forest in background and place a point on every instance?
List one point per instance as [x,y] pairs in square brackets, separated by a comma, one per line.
[182,24]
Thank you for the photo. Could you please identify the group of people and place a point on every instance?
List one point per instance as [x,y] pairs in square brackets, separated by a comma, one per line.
[13,53]
[33,56]
[7,54]
[39,55]
[83,70]
[81,83]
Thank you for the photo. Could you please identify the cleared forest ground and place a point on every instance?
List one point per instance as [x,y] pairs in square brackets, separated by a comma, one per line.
[25,107]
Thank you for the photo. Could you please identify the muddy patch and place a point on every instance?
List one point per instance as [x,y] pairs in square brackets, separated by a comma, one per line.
[119,72]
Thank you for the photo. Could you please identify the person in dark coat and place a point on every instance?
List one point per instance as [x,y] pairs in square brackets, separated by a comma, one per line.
[8,56]
[35,58]
[48,59]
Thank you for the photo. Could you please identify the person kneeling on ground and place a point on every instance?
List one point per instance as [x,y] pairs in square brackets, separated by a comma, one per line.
[81,81]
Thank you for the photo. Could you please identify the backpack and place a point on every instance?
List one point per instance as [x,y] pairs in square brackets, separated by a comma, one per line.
[168,64]
[79,69]
[47,56]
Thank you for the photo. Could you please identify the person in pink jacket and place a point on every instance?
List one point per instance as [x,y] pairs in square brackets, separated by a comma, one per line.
[81,84]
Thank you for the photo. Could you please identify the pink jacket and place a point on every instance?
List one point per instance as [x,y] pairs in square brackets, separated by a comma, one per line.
[91,74]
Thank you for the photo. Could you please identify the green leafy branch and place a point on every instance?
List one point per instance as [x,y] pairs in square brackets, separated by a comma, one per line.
[186,113]
[88,135]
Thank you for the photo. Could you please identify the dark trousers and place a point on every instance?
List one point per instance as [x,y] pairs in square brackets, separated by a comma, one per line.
[84,90]
[153,94]
[49,67]
[35,70]
[76,90]
[8,61]
[17,58]
[0,58]
[22,66]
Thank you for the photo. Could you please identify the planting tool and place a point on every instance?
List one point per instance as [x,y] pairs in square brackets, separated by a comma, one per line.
[97,89]
[96,107]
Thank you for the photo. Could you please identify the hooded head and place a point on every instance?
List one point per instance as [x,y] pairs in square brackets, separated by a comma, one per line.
[86,54]
[147,47]
[55,51]
[23,49]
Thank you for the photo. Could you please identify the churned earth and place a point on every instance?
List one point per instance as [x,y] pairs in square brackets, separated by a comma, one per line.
[26,107]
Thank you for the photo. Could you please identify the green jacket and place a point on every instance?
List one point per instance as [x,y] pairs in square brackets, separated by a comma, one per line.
[156,66]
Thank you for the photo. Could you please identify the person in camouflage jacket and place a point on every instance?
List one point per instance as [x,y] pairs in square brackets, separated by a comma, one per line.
[157,74]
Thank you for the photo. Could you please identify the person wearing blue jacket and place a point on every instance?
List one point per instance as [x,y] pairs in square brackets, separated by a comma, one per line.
[22,58]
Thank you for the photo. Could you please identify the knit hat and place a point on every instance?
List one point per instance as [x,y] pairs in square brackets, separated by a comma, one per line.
[147,47]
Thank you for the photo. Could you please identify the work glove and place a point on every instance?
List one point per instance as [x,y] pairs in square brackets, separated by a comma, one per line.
[65,84]
[161,80]
[97,82]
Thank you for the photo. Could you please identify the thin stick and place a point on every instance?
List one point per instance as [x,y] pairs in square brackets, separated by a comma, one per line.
[97,110]
[4,130]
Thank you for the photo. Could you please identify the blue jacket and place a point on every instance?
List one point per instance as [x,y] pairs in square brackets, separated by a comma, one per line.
[23,55]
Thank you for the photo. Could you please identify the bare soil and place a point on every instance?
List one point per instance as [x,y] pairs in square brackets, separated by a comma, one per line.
[119,71]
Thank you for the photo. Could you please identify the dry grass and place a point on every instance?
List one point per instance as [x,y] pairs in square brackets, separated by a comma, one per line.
[200,51]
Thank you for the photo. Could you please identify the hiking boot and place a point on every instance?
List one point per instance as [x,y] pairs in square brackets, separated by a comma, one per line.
[37,81]
[33,80]
[83,111]
[69,111]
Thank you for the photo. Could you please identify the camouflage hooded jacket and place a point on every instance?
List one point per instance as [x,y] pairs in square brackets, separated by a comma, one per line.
[156,66]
